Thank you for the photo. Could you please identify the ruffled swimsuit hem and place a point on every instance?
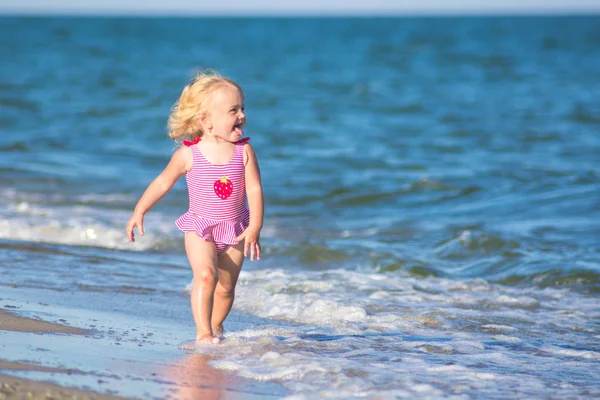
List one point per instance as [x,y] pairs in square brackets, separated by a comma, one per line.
[218,231]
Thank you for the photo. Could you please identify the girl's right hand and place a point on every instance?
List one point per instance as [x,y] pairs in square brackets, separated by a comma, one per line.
[137,219]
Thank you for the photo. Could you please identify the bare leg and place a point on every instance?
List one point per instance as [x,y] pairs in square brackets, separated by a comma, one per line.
[203,260]
[230,264]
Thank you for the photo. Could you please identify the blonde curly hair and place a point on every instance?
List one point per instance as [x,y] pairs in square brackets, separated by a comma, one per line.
[193,103]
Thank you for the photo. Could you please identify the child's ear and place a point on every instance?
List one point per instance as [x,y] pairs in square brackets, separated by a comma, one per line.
[203,121]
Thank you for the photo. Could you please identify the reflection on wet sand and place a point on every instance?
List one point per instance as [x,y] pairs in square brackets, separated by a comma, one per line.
[194,379]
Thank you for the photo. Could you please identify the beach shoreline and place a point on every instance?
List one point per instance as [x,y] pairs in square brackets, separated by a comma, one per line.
[15,388]
[12,387]
[49,352]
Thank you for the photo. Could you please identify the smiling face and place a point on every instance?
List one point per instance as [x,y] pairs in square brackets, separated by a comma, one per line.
[225,116]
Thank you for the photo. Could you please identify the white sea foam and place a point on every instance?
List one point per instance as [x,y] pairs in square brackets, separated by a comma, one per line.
[508,339]
[378,335]
[52,226]
[493,328]
[26,218]
[589,354]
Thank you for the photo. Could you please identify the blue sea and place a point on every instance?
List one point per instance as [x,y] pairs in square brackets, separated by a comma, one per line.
[432,196]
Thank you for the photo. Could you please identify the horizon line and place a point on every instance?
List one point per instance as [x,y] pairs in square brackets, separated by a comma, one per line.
[331,12]
[298,13]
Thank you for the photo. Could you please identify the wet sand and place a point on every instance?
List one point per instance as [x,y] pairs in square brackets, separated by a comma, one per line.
[17,388]
[23,389]
[11,322]
[48,352]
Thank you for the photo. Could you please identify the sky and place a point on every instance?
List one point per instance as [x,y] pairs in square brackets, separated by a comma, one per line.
[293,7]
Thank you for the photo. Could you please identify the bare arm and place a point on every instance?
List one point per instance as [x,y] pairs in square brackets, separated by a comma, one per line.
[254,194]
[179,164]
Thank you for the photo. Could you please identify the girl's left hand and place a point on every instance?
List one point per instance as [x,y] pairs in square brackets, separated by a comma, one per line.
[252,242]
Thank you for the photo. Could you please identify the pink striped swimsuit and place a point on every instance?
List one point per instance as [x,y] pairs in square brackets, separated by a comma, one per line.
[217,210]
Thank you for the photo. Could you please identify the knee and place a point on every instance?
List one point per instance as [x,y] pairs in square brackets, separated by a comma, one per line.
[225,290]
[205,277]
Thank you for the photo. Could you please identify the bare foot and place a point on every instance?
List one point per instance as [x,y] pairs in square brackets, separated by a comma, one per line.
[207,338]
[219,331]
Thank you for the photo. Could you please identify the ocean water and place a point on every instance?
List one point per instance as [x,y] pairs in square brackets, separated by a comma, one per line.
[432,193]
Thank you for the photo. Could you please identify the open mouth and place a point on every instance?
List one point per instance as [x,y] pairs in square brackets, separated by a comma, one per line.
[237,128]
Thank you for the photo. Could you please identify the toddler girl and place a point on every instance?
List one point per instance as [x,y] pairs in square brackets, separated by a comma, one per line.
[225,216]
